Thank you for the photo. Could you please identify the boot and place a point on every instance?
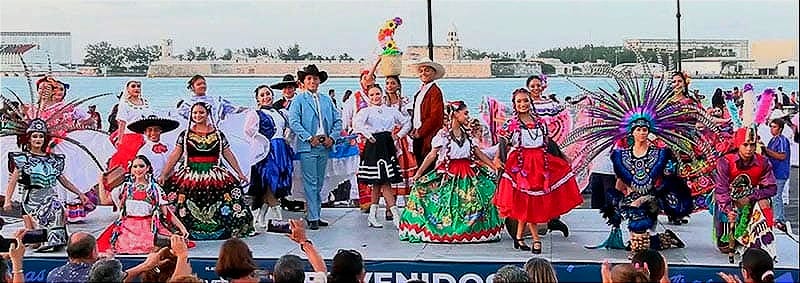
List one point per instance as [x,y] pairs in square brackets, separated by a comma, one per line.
[373,217]
[262,215]
[257,218]
[276,212]
[396,214]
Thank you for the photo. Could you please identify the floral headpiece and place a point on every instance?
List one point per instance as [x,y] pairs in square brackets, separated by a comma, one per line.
[386,36]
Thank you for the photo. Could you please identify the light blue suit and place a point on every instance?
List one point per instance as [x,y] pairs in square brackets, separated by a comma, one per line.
[304,121]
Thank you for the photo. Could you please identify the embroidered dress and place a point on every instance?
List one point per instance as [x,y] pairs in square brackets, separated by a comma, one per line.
[697,167]
[38,179]
[379,163]
[452,204]
[130,141]
[405,156]
[271,155]
[536,185]
[139,222]
[209,198]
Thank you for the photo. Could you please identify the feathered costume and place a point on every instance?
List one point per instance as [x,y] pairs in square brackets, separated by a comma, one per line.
[614,115]
[40,173]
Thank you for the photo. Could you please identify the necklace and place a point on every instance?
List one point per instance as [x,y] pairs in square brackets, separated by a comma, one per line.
[459,140]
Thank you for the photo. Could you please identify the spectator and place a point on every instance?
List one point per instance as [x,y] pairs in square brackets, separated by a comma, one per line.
[290,268]
[81,254]
[656,264]
[235,262]
[96,122]
[110,270]
[348,267]
[757,267]
[332,94]
[16,253]
[510,274]
[540,270]
[778,152]
[186,279]
[163,272]
[624,273]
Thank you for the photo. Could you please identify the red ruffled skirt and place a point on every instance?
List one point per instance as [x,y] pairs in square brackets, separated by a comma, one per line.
[538,189]
[126,151]
[132,235]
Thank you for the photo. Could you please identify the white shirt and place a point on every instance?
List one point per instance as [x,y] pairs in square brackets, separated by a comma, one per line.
[137,207]
[349,110]
[456,151]
[376,119]
[418,104]
[157,160]
[531,138]
[130,113]
[252,122]
[320,127]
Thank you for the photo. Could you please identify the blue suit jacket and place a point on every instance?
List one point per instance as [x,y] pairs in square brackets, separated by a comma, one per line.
[304,119]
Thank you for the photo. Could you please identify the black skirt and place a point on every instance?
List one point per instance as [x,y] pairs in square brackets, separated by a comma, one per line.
[379,161]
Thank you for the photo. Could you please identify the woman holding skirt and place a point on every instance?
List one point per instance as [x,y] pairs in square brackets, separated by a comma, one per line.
[405,158]
[453,203]
[379,166]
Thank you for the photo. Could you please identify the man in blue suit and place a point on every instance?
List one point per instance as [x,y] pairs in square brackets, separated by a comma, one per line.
[317,123]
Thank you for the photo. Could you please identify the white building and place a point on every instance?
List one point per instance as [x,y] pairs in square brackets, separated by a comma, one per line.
[739,48]
[787,68]
[638,69]
[714,66]
[58,45]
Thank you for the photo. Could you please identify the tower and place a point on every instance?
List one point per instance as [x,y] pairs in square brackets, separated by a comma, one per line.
[166,49]
[454,43]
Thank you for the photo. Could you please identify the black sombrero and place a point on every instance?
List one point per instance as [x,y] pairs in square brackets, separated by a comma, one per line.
[312,70]
[165,124]
[288,80]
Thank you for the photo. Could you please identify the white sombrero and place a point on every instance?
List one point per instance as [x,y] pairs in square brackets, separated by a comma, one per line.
[436,67]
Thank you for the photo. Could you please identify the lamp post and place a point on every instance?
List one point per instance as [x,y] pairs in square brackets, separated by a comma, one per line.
[678,16]
[430,32]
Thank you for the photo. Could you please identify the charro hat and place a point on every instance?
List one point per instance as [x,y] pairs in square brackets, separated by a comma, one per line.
[165,124]
[288,80]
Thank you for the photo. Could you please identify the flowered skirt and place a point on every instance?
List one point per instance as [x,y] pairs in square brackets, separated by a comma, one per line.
[126,151]
[408,166]
[210,202]
[453,206]
[538,189]
[131,235]
[273,173]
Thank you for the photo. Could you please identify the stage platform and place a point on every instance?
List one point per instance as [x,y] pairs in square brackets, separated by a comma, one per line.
[390,260]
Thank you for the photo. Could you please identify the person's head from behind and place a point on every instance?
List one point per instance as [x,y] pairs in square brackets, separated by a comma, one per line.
[235,261]
[718,99]
[106,270]
[348,266]
[82,246]
[164,270]
[186,279]
[289,269]
[540,270]
[757,266]
[629,273]
[655,263]
[511,274]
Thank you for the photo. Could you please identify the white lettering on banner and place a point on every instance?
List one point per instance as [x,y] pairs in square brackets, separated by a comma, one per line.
[436,277]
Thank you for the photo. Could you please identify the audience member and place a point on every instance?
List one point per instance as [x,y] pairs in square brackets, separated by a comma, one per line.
[348,267]
[757,267]
[656,264]
[106,270]
[624,273]
[510,274]
[15,254]
[186,279]
[163,272]
[290,268]
[81,254]
[235,262]
[540,270]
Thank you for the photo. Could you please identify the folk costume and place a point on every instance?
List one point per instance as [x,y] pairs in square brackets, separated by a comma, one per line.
[155,151]
[130,141]
[428,101]
[405,156]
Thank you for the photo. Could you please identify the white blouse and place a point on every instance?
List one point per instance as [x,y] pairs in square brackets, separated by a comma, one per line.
[376,119]
[456,152]
[252,122]
[129,113]
[137,207]
[531,138]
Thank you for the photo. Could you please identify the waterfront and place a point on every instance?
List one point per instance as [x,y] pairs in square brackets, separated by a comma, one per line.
[164,93]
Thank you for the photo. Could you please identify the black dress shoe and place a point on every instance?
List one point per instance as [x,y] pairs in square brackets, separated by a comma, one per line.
[313,225]
[322,223]
[557,225]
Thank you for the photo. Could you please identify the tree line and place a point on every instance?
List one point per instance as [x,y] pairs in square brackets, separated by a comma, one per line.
[137,58]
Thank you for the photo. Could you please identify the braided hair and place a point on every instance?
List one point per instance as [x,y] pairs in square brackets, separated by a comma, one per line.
[450,110]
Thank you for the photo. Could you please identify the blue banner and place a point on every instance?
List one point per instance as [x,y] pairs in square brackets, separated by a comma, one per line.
[36,270]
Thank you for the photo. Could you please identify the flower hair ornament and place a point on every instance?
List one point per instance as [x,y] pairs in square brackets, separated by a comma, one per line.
[18,123]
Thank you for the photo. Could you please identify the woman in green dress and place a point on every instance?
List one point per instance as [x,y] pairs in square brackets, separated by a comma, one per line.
[453,204]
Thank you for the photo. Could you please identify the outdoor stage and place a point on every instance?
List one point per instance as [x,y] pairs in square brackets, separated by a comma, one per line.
[390,260]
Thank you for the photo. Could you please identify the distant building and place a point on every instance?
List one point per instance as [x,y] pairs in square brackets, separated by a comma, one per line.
[787,68]
[58,45]
[638,69]
[450,52]
[560,68]
[739,48]
[767,54]
[715,66]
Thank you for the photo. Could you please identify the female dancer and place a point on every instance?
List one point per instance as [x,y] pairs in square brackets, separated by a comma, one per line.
[405,158]
[209,197]
[39,172]
[270,156]
[379,166]
[542,187]
[452,204]
[132,107]
[143,206]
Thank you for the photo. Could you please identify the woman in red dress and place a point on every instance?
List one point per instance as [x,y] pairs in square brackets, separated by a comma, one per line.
[537,184]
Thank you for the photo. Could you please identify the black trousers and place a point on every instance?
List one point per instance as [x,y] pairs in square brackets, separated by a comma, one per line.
[417,146]
[598,184]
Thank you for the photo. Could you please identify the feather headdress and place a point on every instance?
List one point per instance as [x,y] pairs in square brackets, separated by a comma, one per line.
[17,122]
[612,116]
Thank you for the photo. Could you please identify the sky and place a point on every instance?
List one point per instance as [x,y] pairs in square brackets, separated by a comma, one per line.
[331,27]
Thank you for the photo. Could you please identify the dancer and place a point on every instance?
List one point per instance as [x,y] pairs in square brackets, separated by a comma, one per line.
[132,107]
[144,207]
[405,156]
[209,198]
[287,87]
[379,166]
[452,204]
[358,102]
[537,184]
[38,172]
[427,115]
[744,183]
[156,150]
[270,157]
